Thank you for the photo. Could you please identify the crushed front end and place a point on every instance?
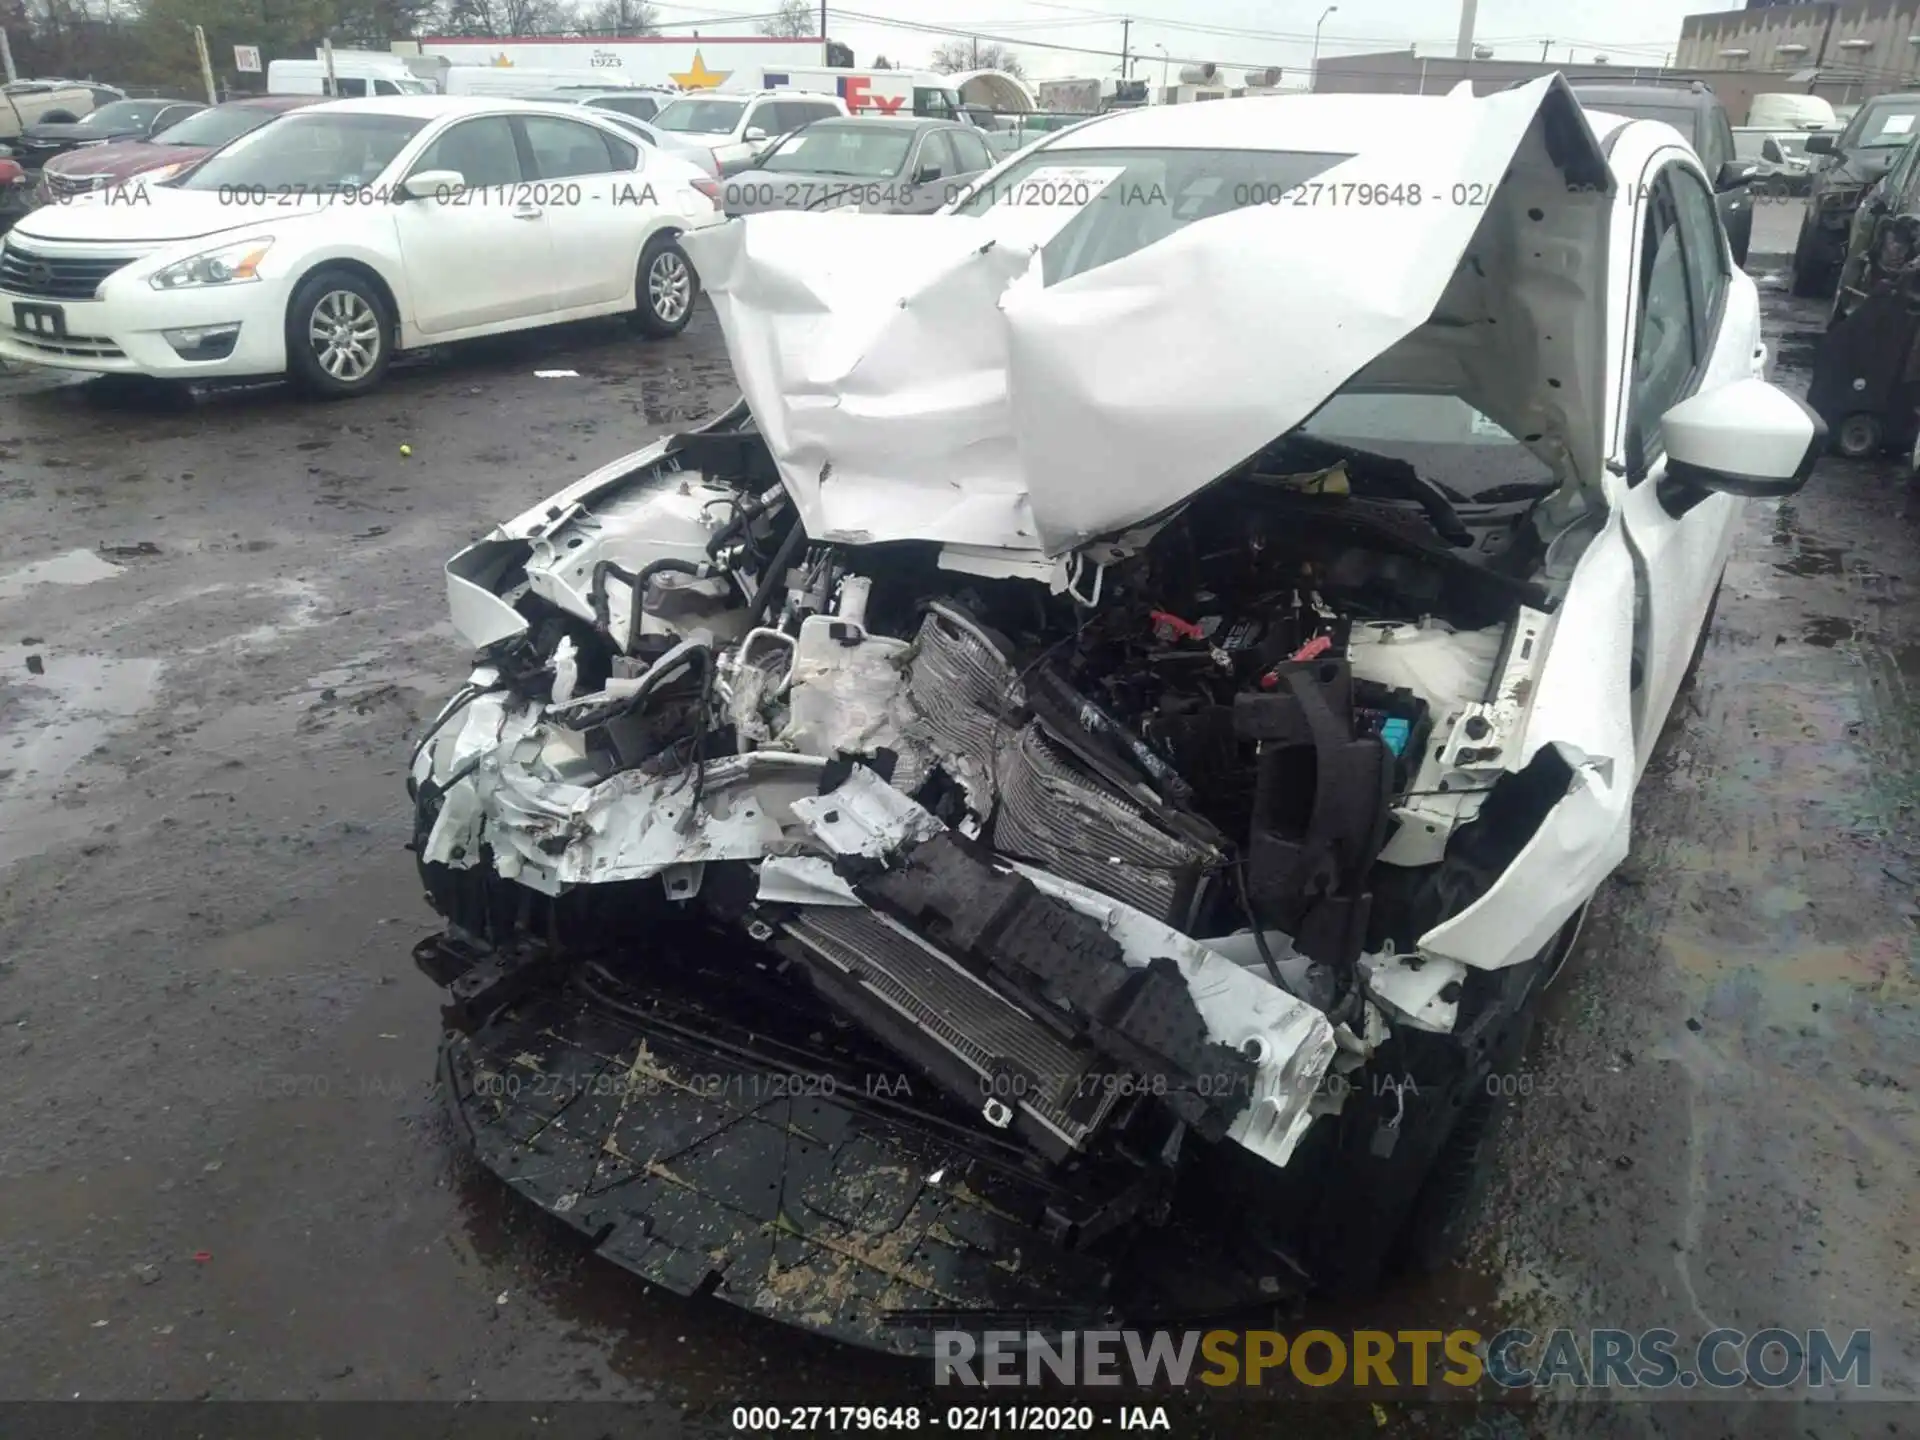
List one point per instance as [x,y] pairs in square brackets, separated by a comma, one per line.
[893,937]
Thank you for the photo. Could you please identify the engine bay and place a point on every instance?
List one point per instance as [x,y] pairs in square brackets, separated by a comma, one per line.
[1255,724]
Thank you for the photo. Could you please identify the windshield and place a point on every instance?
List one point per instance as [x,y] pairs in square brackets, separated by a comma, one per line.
[213,128]
[124,115]
[1882,125]
[701,117]
[1444,438]
[311,151]
[1089,207]
[865,149]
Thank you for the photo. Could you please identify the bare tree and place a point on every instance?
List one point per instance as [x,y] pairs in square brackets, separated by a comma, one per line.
[952,56]
[497,19]
[795,19]
[620,17]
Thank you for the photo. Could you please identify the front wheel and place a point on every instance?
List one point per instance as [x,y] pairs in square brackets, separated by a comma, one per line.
[1859,436]
[664,289]
[339,335]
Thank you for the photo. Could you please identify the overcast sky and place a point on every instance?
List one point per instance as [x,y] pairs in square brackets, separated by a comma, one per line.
[1628,31]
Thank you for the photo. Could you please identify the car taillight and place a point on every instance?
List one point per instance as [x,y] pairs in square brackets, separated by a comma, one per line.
[708,188]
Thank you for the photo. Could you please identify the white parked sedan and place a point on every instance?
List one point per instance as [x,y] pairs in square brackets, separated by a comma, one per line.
[1158,663]
[320,244]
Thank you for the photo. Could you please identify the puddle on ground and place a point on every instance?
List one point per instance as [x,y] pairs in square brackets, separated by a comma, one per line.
[49,723]
[1828,631]
[76,567]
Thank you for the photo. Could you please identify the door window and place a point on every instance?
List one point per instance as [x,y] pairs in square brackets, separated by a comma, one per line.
[349,87]
[481,150]
[563,148]
[935,161]
[1717,143]
[805,112]
[1664,357]
[970,151]
[1903,186]
[931,102]
[640,107]
[1705,246]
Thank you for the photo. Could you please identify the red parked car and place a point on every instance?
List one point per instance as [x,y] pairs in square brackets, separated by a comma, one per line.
[170,151]
[13,192]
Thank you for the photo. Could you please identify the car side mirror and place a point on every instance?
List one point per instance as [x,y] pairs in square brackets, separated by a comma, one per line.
[433,184]
[754,132]
[1771,152]
[1820,145]
[1749,438]
[926,174]
[1735,173]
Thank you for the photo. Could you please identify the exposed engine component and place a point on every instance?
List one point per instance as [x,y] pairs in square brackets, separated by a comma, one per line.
[1219,727]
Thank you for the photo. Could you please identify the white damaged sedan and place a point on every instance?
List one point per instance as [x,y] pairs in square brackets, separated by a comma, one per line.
[1057,808]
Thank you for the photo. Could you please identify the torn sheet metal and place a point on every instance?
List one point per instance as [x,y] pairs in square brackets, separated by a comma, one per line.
[1290,1043]
[1575,707]
[803,880]
[939,390]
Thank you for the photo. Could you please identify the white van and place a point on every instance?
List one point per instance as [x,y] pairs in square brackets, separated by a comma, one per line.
[1779,110]
[355,76]
[875,92]
[512,80]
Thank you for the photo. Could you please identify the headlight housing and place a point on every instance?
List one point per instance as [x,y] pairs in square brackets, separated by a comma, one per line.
[231,264]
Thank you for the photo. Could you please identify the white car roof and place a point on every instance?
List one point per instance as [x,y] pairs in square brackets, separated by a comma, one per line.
[425,107]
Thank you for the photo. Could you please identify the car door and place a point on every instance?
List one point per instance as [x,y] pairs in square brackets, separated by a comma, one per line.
[595,231]
[481,254]
[1690,329]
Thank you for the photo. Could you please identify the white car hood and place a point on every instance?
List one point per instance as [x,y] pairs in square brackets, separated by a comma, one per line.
[915,380]
[144,212]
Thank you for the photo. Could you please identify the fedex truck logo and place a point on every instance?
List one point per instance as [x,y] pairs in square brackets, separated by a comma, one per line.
[856,90]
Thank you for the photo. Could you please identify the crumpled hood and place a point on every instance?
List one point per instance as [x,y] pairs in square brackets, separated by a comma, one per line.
[937,390]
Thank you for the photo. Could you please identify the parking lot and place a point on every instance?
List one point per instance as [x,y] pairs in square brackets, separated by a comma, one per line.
[227,1174]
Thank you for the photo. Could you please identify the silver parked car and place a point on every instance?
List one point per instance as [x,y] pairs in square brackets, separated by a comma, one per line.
[894,166]
[622,107]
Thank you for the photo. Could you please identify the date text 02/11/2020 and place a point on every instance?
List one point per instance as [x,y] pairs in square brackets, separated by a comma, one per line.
[963,1419]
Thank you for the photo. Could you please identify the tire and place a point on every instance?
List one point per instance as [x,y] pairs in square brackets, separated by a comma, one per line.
[1860,436]
[664,288]
[351,357]
[1812,278]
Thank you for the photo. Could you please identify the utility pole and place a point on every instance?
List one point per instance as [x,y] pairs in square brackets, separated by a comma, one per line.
[1463,46]
[825,58]
[6,56]
[206,65]
[1126,60]
[976,52]
[1543,50]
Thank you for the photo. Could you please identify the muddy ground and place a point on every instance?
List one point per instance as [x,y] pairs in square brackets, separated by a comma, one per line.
[223,1167]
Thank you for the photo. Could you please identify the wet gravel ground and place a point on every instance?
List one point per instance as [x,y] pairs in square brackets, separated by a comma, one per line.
[224,1171]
